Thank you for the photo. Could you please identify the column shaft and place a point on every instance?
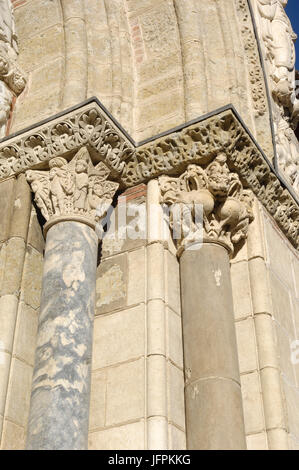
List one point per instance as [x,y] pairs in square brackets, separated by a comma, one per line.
[61,381]
[214,413]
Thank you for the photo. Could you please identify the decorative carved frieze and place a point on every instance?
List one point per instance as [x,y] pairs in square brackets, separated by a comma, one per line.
[256,77]
[75,190]
[130,164]
[225,205]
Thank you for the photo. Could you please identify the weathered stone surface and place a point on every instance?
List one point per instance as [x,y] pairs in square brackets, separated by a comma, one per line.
[125,397]
[15,254]
[126,437]
[118,337]
[218,403]
[32,277]
[63,355]
[13,436]
[214,415]
[6,207]
[111,286]
[26,333]
[18,393]
[35,236]
[252,403]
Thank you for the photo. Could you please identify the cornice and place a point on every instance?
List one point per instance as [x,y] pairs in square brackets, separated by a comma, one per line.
[199,141]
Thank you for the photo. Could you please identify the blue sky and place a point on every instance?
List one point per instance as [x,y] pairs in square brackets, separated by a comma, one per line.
[292,10]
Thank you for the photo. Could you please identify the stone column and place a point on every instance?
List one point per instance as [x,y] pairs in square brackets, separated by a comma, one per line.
[214,413]
[68,196]
[213,400]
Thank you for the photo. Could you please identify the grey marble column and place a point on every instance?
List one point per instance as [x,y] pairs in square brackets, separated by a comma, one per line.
[214,414]
[61,382]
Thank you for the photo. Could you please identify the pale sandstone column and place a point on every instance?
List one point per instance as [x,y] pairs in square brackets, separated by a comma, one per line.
[213,400]
[68,196]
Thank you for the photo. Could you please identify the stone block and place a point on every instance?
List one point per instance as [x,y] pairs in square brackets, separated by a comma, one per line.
[167,106]
[34,17]
[273,408]
[5,359]
[137,276]
[8,315]
[155,272]
[13,437]
[119,337]
[252,403]
[292,406]
[260,291]
[156,386]
[174,339]
[19,391]
[125,393]
[176,399]
[127,437]
[50,74]
[2,261]
[21,208]
[284,351]
[32,278]
[247,351]
[6,207]
[295,269]
[111,285]
[26,333]
[278,439]
[279,253]
[173,298]
[98,400]
[282,309]
[241,289]
[266,343]
[177,438]
[257,441]
[156,327]
[42,49]
[15,253]
[35,234]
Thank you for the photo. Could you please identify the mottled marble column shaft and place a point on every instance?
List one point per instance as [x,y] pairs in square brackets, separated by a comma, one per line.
[61,382]
[214,413]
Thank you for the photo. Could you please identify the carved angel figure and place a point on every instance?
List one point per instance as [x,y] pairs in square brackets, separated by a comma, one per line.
[73,188]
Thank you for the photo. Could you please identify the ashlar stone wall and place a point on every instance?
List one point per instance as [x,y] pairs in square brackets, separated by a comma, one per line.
[265,290]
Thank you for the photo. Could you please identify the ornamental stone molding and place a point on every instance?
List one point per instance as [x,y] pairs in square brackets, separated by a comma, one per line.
[226,206]
[77,190]
[256,76]
[198,142]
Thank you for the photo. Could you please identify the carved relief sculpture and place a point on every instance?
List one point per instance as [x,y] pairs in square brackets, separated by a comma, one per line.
[12,80]
[278,39]
[74,190]
[225,204]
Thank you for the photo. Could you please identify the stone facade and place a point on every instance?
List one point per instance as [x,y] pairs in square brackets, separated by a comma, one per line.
[113,112]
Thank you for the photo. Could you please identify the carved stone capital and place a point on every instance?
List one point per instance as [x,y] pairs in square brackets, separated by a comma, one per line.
[11,74]
[226,206]
[75,190]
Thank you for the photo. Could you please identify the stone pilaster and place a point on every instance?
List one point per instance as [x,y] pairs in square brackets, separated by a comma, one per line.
[71,196]
[214,215]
